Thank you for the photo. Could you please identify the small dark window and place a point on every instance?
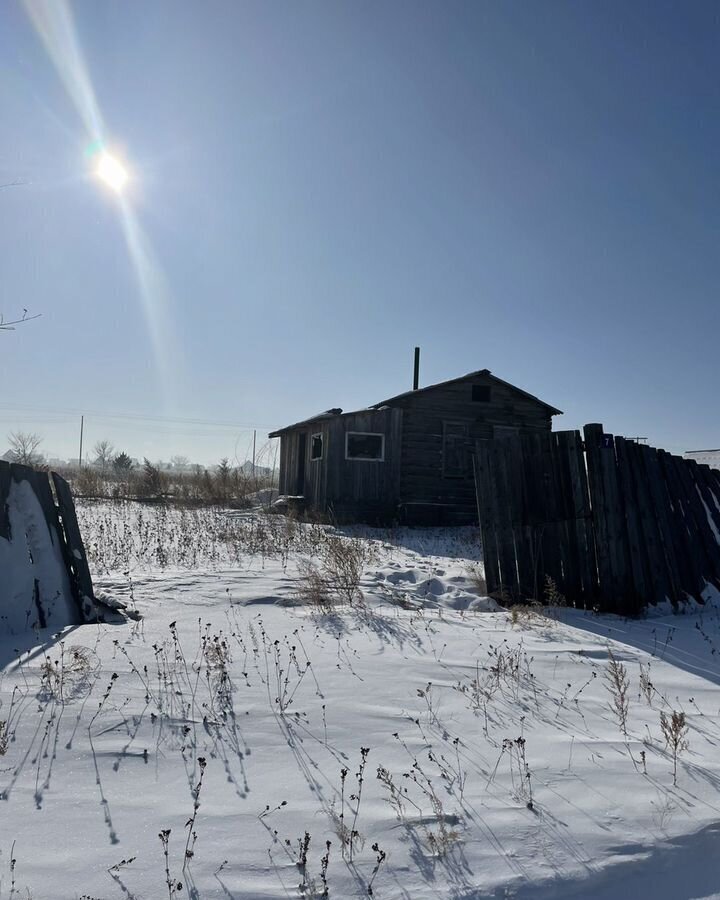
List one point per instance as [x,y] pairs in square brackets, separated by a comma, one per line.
[316,446]
[364,445]
[481,393]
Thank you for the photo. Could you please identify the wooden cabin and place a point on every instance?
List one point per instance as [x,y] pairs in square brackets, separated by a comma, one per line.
[407,458]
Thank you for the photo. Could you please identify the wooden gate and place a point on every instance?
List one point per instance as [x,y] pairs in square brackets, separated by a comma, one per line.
[609,523]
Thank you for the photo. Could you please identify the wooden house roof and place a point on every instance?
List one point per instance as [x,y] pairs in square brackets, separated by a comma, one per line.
[484,372]
[332,413]
[328,414]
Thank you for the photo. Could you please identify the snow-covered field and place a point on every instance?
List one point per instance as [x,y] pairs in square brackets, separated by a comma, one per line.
[241,741]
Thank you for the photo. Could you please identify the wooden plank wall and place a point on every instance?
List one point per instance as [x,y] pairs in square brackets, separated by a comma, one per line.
[617,525]
[334,485]
[413,481]
[422,480]
[75,556]
[362,488]
[53,577]
[534,510]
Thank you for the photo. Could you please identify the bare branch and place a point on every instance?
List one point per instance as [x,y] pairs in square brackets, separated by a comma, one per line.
[10,326]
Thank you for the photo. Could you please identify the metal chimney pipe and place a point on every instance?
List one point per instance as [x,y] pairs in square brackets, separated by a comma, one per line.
[416,374]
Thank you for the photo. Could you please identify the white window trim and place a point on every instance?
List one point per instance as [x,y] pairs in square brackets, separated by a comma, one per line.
[379,434]
[322,446]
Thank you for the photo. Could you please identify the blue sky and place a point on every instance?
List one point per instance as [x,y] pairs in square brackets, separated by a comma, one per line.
[528,187]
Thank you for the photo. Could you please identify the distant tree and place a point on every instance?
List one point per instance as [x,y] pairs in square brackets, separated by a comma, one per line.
[223,474]
[24,448]
[104,452]
[179,462]
[122,463]
[153,482]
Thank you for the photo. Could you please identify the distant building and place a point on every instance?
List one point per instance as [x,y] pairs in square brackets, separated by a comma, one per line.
[408,458]
[708,457]
[247,468]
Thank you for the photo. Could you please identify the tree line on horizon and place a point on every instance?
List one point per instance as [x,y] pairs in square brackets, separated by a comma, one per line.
[114,474]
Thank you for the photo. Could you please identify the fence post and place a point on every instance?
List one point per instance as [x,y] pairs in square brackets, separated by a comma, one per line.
[486,516]
[609,518]
[79,570]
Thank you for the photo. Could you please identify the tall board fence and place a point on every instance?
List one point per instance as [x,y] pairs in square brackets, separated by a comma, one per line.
[44,576]
[609,523]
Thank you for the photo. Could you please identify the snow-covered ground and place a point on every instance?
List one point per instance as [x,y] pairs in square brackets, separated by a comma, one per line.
[443,747]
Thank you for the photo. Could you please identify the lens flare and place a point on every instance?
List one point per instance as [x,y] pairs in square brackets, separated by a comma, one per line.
[53,22]
[112,172]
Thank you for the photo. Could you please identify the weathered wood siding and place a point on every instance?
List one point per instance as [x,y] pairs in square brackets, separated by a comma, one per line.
[430,434]
[616,525]
[44,578]
[426,492]
[288,463]
[372,488]
[347,489]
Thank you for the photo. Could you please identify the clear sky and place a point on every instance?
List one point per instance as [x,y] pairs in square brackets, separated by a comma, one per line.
[316,188]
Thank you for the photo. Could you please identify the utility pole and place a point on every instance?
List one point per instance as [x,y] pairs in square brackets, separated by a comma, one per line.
[253,462]
[82,422]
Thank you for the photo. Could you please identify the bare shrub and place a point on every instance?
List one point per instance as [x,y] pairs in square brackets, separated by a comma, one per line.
[89,483]
[675,732]
[647,688]
[526,613]
[502,596]
[217,660]
[344,560]
[618,684]
[69,675]
[519,765]
[313,587]
[551,594]
[336,578]
[477,580]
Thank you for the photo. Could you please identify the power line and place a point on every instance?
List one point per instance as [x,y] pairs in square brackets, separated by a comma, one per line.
[133,416]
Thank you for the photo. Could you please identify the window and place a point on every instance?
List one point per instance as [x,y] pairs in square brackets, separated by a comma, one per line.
[455,450]
[481,393]
[364,445]
[316,446]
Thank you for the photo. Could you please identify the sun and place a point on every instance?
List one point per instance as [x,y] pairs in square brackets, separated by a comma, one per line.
[112,172]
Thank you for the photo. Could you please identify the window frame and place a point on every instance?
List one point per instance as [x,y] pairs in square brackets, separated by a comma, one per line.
[484,387]
[317,434]
[465,437]
[505,431]
[379,434]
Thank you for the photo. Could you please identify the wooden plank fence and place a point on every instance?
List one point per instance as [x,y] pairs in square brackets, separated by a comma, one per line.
[44,576]
[611,524]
